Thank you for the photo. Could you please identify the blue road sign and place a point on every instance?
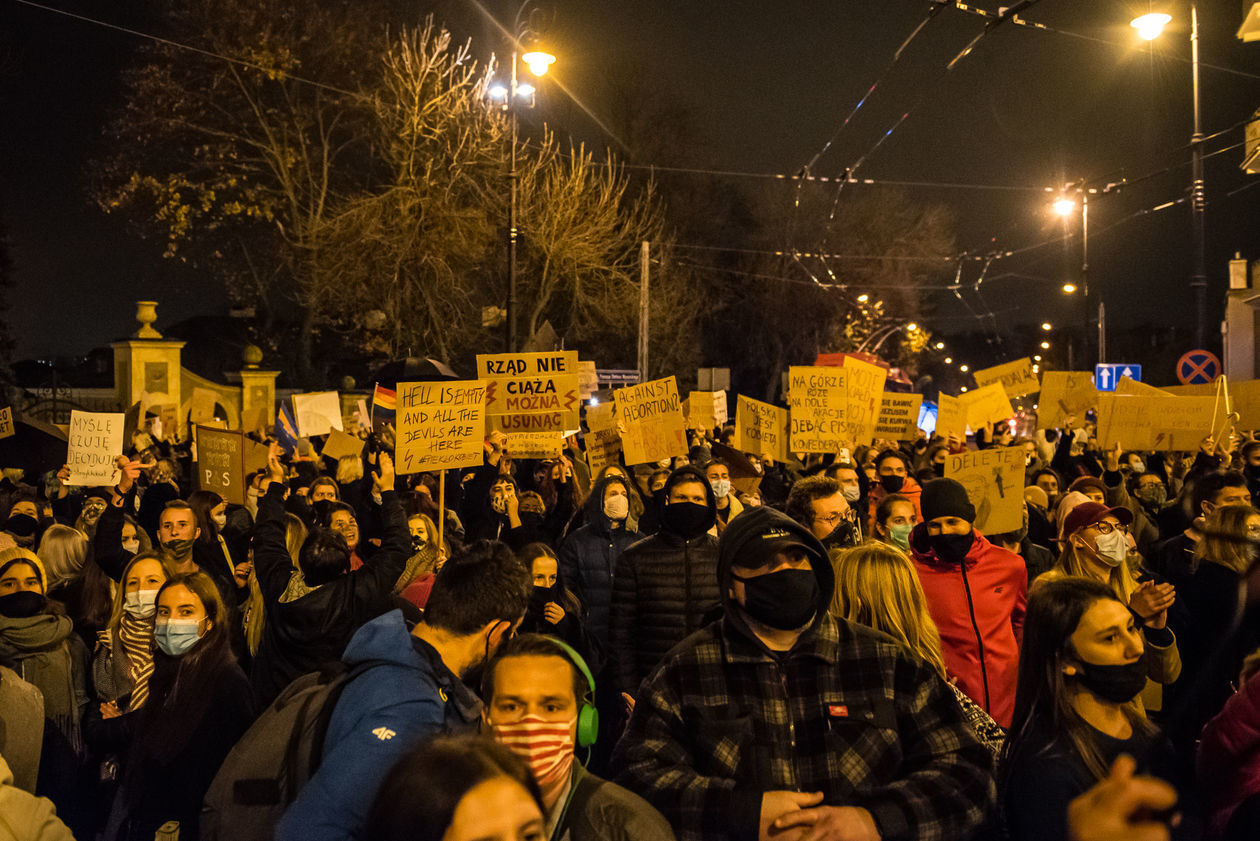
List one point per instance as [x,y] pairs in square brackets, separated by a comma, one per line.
[1106,376]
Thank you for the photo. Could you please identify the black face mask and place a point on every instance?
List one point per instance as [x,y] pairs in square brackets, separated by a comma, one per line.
[471,676]
[892,484]
[843,536]
[938,467]
[784,600]
[179,550]
[417,543]
[22,525]
[1117,684]
[687,519]
[951,548]
[22,604]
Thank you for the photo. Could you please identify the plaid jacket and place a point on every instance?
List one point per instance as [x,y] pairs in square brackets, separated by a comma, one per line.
[847,712]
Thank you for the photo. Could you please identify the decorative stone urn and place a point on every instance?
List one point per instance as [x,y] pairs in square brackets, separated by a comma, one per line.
[146,314]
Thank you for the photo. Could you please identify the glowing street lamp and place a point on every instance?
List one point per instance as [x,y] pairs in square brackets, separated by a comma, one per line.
[538,62]
[1046,325]
[1064,206]
[1151,26]
[1069,288]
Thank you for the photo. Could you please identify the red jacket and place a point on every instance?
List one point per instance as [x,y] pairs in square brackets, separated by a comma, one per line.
[1229,756]
[909,489]
[998,583]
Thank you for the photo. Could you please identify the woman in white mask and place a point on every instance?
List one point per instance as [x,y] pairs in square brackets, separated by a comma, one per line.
[123,660]
[1096,545]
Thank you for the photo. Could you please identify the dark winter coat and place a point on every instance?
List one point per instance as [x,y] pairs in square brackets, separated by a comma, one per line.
[588,559]
[665,588]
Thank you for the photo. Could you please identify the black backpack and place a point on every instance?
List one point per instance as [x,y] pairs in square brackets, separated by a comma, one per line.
[268,767]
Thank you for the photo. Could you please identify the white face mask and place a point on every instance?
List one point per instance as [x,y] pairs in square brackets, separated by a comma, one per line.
[141,604]
[220,521]
[617,507]
[851,493]
[132,546]
[721,487]
[1113,548]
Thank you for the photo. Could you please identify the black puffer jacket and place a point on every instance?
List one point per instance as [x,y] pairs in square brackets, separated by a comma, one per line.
[665,588]
[588,558]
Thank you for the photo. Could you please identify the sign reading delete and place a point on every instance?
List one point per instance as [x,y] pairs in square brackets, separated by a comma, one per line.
[95,440]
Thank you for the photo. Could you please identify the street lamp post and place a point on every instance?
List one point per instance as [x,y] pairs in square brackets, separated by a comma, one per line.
[1149,27]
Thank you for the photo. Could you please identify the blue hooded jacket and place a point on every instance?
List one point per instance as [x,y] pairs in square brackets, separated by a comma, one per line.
[380,715]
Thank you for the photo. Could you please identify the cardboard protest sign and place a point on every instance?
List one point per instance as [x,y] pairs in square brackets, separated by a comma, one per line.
[201,406]
[761,428]
[650,419]
[986,405]
[1016,378]
[441,425]
[994,480]
[545,444]
[1125,385]
[94,440]
[317,413]
[1155,422]
[899,416]
[588,379]
[221,463]
[818,402]
[603,441]
[866,391]
[255,419]
[706,409]
[1064,394]
[951,417]
[601,416]
[531,392]
[1244,399]
[6,422]
[341,444]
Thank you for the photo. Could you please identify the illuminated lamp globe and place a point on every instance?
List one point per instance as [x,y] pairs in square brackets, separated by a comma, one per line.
[538,62]
[1151,26]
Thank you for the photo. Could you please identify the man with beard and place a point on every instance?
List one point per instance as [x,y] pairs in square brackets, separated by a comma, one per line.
[976,592]
[665,587]
[419,686]
[819,504]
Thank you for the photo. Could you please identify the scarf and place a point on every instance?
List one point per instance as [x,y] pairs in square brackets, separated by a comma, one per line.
[418,564]
[136,637]
[39,646]
[296,588]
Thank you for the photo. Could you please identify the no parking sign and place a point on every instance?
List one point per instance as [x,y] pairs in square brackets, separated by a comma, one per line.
[1198,367]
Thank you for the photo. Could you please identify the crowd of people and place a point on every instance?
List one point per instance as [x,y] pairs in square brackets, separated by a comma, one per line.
[716,646]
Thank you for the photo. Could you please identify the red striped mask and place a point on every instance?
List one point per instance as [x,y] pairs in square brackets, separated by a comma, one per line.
[546,746]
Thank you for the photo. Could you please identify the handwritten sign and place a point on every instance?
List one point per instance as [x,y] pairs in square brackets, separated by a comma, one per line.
[707,409]
[531,392]
[1016,378]
[1154,422]
[1125,385]
[1064,394]
[866,391]
[1244,399]
[221,463]
[761,428]
[994,480]
[986,405]
[440,425]
[6,422]
[317,413]
[201,406]
[94,441]
[546,444]
[818,402]
[951,417]
[898,416]
[650,419]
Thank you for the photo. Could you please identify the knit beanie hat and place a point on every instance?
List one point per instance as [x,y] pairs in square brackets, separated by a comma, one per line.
[26,556]
[946,498]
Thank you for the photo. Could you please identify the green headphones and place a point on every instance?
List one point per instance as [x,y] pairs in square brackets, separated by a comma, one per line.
[588,716]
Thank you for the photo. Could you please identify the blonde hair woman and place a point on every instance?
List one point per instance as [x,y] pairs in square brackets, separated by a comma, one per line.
[876,586]
[255,610]
[1096,546]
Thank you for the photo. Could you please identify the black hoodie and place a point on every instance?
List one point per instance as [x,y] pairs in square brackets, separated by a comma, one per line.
[665,587]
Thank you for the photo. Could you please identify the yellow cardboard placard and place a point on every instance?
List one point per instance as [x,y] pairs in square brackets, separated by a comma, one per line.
[1016,378]
[706,409]
[986,405]
[545,444]
[1154,422]
[543,385]
[1125,385]
[441,425]
[1063,394]
[761,428]
[866,392]
[994,479]
[340,444]
[650,420]
[899,416]
[951,417]
[818,403]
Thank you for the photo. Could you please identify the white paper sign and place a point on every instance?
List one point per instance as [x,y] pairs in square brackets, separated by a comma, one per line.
[94,441]
[317,413]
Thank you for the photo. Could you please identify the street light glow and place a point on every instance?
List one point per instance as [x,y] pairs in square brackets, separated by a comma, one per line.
[1064,206]
[1045,345]
[940,345]
[862,299]
[964,388]
[1069,288]
[538,62]
[525,90]
[912,326]
[1037,358]
[1151,26]
[949,360]
[1045,325]
[963,368]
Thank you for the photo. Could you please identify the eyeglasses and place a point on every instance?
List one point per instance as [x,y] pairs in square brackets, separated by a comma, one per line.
[834,519]
[1107,528]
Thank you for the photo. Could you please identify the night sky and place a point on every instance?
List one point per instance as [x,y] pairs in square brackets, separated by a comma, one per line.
[766,84]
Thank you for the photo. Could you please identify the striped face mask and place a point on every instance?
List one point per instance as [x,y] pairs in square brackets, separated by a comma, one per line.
[547,748]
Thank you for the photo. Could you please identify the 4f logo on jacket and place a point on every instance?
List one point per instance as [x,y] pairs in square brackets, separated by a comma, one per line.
[384,734]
